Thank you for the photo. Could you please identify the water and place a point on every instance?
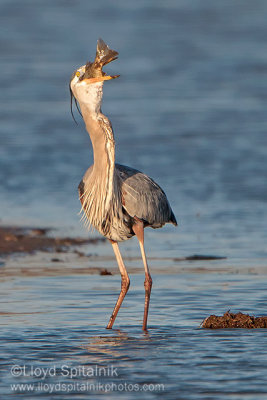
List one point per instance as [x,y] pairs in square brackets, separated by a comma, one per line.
[189,110]
[57,324]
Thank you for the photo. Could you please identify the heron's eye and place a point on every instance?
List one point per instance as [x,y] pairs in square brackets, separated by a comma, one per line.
[78,74]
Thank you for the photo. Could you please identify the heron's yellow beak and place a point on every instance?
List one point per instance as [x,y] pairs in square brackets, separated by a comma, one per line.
[100,78]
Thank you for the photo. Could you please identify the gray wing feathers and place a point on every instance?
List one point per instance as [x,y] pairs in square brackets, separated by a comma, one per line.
[143,198]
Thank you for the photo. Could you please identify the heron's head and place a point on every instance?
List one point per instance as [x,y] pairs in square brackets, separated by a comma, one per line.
[87,81]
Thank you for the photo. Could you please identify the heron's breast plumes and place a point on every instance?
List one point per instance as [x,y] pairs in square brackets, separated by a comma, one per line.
[102,208]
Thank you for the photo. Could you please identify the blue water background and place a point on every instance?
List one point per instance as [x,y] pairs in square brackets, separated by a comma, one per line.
[189,110]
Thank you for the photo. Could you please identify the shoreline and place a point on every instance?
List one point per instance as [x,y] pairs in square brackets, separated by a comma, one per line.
[32,252]
[28,240]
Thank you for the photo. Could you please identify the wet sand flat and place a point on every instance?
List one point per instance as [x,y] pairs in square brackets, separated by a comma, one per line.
[14,239]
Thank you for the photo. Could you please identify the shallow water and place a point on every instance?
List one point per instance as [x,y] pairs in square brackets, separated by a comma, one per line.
[55,328]
[190,110]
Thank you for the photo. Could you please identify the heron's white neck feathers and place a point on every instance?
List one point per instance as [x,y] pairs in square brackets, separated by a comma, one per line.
[89,96]
[101,196]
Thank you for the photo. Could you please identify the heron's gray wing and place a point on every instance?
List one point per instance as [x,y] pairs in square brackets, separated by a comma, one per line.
[143,198]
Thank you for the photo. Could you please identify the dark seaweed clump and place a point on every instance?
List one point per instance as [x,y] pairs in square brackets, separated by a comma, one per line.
[231,320]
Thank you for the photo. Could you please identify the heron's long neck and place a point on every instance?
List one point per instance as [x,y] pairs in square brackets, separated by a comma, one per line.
[101,135]
[97,125]
[100,195]
[102,178]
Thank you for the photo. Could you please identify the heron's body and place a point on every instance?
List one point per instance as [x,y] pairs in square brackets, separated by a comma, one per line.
[138,197]
[117,200]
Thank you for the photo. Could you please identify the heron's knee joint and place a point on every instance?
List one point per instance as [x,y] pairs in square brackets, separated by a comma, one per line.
[125,283]
[148,283]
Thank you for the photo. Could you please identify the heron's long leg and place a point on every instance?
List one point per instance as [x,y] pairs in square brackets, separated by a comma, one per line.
[125,283]
[138,229]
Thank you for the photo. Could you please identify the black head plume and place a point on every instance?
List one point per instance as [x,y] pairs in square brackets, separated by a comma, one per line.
[71,100]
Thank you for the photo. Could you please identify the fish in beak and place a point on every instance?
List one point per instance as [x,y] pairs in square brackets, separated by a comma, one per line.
[93,71]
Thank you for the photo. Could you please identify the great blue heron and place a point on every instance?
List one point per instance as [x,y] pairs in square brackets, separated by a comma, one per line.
[118,201]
